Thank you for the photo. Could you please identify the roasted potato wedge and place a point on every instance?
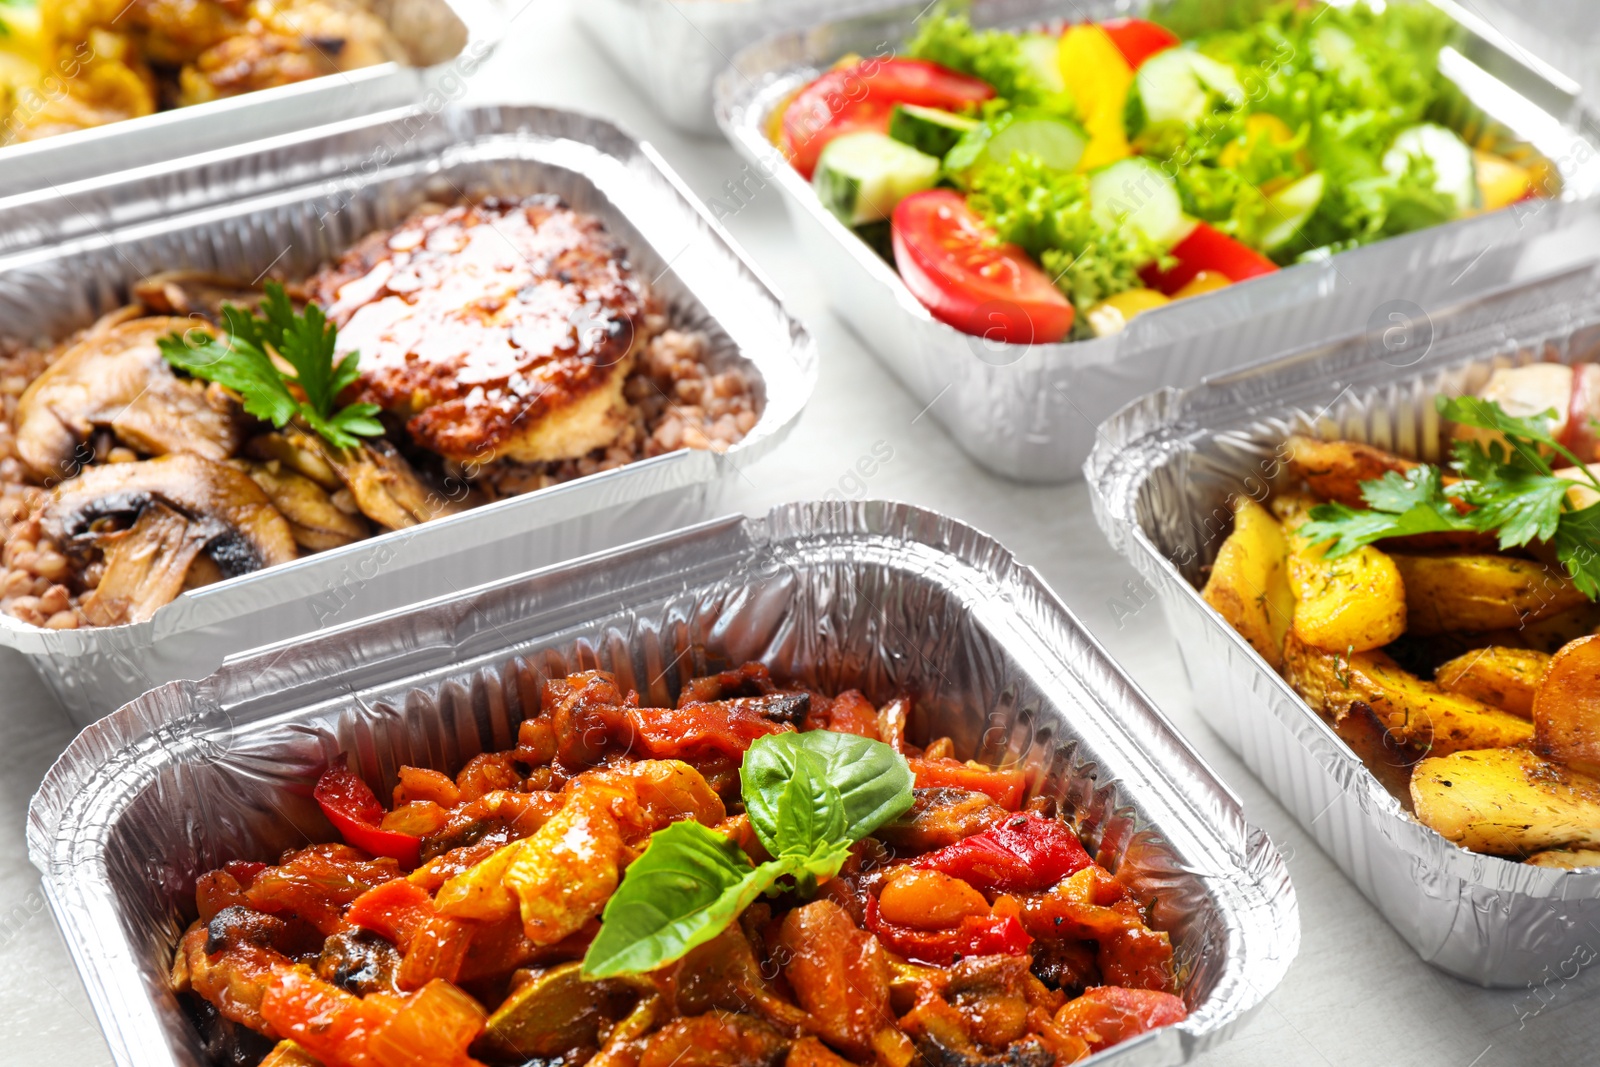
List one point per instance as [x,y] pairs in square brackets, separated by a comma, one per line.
[1553,633]
[1566,706]
[1413,711]
[1292,509]
[1356,602]
[1388,758]
[1335,469]
[1507,801]
[1566,859]
[1249,582]
[1503,677]
[1477,593]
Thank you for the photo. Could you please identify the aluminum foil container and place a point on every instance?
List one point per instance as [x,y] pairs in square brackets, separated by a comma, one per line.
[1029,412]
[884,597]
[292,204]
[445,41]
[673,50]
[1161,480]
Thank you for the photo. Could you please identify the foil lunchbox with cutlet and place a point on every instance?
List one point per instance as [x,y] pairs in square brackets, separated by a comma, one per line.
[292,205]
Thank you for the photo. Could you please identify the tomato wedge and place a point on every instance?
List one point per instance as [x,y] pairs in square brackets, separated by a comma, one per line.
[1137,39]
[953,262]
[1205,249]
[860,97]
[353,808]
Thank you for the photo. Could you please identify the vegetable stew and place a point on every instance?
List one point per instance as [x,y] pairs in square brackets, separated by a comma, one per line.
[757,875]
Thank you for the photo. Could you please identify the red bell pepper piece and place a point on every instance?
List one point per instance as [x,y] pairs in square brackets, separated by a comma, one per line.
[434,945]
[1023,853]
[976,935]
[244,871]
[1107,1015]
[353,808]
[701,731]
[1207,249]
[1004,787]
[1137,39]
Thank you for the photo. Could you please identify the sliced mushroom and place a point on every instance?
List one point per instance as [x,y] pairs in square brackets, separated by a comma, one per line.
[298,451]
[117,378]
[385,486]
[186,292]
[145,567]
[317,522]
[154,518]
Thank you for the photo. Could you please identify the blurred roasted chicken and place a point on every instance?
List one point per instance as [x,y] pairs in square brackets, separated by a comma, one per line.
[85,63]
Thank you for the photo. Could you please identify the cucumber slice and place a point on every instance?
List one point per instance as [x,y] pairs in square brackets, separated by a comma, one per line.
[1455,173]
[1042,53]
[927,129]
[1058,142]
[862,176]
[1180,85]
[1293,207]
[1135,192]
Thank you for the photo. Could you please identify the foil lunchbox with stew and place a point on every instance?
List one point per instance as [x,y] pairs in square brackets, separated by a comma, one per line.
[886,598]
[289,205]
[1029,412]
[1161,479]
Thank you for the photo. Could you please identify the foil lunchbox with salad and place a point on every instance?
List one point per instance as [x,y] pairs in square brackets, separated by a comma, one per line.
[1049,185]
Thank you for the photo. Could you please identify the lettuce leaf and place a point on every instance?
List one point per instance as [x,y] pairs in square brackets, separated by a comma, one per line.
[994,56]
[1046,213]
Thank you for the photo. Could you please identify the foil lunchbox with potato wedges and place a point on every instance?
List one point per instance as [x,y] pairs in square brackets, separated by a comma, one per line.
[1161,480]
[887,598]
[294,203]
[1029,412]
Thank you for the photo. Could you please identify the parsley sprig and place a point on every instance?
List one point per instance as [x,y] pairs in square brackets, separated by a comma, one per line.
[1511,487]
[242,360]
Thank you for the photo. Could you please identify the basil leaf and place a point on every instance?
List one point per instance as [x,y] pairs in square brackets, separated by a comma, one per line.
[872,780]
[810,811]
[689,885]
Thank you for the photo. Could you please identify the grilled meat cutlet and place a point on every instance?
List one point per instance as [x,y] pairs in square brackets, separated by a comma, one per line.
[497,330]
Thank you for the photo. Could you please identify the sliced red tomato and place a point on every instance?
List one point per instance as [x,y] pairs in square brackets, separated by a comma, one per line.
[353,808]
[1137,39]
[1207,249]
[1582,435]
[860,97]
[954,263]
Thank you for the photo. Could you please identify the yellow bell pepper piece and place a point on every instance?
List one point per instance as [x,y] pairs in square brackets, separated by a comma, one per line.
[1098,78]
[1500,181]
[1111,315]
[1203,282]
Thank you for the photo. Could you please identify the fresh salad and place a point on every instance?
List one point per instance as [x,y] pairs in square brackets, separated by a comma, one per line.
[1034,187]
